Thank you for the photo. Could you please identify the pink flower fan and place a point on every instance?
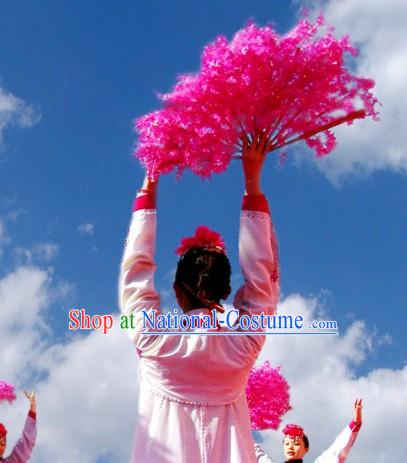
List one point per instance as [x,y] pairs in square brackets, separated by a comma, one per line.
[7,392]
[268,397]
[283,88]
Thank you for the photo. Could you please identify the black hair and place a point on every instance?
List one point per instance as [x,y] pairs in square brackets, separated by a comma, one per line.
[204,270]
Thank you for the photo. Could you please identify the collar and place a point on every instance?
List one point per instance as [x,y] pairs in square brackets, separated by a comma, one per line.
[294,461]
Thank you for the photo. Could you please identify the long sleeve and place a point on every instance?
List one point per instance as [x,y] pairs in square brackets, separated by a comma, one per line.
[261,456]
[136,282]
[339,450]
[22,450]
[258,255]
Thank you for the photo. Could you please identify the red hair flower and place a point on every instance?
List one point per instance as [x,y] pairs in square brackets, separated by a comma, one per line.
[3,430]
[204,238]
[292,430]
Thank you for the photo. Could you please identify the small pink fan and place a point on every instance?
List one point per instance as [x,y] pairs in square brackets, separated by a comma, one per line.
[6,392]
[268,397]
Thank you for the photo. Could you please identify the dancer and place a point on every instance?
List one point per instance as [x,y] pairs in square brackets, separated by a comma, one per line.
[296,443]
[23,448]
[192,404]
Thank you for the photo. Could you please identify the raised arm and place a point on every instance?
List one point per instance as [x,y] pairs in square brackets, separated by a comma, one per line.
[339,450]
[261,455]
[24,446]
[136,282]
[258,249]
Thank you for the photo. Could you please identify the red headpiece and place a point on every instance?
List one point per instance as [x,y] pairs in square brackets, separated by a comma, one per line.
[203,238]
[3,430]
[292,430]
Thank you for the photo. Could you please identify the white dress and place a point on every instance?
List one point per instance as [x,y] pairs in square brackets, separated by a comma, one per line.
[192,404]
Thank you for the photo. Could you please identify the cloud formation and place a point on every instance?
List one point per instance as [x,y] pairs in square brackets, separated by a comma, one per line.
[86,229]
[87,385]
[322,372]
[378,28]
[43,252]
[15,112]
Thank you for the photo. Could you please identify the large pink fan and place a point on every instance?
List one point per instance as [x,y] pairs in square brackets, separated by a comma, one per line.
[290,88]
[268,397]
[6,392]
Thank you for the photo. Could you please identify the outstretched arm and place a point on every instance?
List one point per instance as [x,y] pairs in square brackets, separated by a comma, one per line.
[136,283]
[24,446]
[258,250]
[339,450]
[261,455]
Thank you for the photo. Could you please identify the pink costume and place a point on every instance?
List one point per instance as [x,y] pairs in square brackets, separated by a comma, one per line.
[23,448]
[336,453]
[192,404]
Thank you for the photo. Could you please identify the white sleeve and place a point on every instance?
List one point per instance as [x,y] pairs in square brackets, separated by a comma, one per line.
[258,255]
[24,446]
[261,456]
[136,282]
[339,450]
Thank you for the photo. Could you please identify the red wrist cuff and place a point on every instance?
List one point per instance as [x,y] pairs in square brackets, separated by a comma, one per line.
[255,203]
[144,201]
[32,414]
[354,426]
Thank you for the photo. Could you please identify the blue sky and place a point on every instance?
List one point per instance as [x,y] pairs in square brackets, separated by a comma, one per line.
[91,69]
[86,70]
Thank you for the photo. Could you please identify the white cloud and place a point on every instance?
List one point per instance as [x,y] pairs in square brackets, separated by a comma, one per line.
[378,27]
[46,251]
[43,252]
[321,373]
[89,399]
[87,384]
[25,287]
[86,387]
[2,231]
[86,229]
[4,239]
[15,112]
